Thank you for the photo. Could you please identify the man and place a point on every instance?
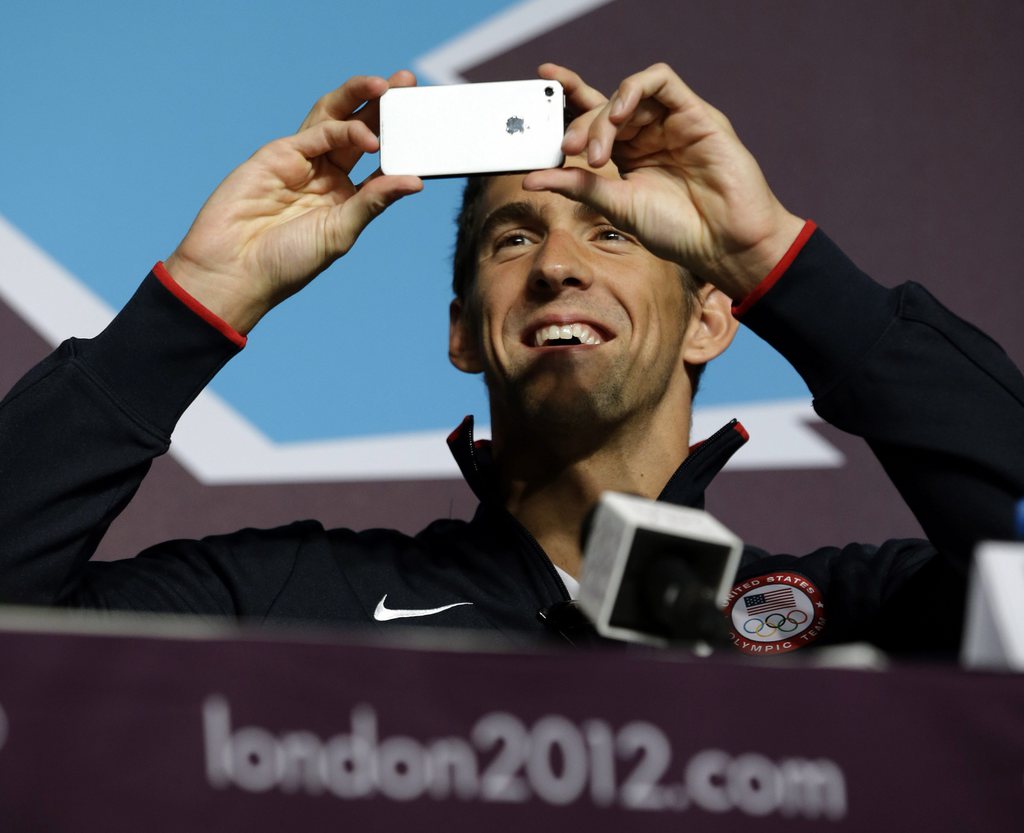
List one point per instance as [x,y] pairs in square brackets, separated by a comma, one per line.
[589,298]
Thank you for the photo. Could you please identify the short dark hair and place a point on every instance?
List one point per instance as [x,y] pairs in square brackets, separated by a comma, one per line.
[467,238]
[469,222]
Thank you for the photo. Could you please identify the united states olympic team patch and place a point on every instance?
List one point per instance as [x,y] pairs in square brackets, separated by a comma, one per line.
[775,613]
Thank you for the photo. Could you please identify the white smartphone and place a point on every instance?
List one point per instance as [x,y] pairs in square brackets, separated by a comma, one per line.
[460,129]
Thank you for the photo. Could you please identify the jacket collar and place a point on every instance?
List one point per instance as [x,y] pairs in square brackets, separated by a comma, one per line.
[685,487]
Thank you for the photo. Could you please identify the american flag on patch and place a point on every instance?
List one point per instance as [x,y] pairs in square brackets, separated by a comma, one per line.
[780,599]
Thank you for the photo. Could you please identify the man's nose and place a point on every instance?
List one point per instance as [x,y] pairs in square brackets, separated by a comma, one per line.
[561,263]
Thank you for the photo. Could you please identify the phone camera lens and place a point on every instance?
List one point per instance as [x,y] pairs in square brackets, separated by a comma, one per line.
[549,91]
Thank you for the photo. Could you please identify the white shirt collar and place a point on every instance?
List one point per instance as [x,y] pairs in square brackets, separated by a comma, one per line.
[570,583]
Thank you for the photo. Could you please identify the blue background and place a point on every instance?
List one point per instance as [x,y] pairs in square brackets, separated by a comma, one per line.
[118,119]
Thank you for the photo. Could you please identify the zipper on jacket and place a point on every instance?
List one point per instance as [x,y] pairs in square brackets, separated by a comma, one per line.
[540,553]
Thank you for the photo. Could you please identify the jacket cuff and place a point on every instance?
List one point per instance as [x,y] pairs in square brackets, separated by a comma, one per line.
[739,308]
[156,355]
[215,321]
[825,315]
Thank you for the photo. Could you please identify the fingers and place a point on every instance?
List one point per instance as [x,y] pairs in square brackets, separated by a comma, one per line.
[640,100]
[345,102]
[581,96]
[370,114]
[328,136]
[604,195]
[374,195]
[356,99]
[341,103]
[658,82]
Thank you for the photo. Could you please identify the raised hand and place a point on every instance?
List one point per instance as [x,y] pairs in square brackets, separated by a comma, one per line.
[291,210]
[689,189]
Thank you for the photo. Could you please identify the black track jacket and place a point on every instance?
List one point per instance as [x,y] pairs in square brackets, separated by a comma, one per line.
[939,403]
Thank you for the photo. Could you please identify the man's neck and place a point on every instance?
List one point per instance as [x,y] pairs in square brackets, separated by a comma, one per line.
[550,486]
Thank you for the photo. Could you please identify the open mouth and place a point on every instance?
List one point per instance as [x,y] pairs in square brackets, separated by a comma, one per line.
[566,335]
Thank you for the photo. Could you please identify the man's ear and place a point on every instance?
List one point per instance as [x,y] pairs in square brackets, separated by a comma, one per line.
[463,350]
[712,326]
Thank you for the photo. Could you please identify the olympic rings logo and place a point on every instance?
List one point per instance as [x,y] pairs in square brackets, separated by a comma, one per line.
[775,623]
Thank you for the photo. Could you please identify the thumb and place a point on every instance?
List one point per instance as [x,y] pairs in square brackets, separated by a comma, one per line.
[347,221]
[606,196]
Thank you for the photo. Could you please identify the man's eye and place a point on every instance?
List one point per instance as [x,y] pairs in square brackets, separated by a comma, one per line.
[515,238]
[610,233]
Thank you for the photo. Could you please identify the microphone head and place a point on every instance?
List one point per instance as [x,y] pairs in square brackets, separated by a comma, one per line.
[657,573]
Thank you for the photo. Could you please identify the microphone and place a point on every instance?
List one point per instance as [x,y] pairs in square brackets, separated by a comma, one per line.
[656,573]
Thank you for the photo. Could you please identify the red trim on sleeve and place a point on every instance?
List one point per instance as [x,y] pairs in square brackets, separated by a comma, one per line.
[777,272]
[739,429]
[215,321]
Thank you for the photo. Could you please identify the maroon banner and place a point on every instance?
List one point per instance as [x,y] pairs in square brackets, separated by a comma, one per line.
[247,732]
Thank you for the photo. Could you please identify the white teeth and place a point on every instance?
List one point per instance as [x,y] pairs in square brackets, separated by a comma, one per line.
[555,332]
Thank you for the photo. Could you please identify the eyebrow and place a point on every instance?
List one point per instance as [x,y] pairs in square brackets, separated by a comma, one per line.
[521,210]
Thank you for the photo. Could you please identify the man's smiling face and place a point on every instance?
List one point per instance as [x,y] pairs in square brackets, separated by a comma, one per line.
[571,320]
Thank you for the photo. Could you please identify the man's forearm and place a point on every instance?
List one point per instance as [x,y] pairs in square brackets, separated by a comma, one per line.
[78,432]
[940,403]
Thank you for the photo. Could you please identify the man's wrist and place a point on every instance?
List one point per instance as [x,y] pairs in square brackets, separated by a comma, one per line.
[741,305]
[743,272]
[156,354]
[163,273]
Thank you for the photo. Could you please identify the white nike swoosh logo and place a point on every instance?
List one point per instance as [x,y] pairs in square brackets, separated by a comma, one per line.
[385,614]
